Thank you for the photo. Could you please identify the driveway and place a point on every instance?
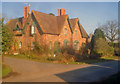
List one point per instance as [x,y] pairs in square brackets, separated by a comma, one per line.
[31,71]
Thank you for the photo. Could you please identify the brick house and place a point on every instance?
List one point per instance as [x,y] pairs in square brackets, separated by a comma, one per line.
[47,30]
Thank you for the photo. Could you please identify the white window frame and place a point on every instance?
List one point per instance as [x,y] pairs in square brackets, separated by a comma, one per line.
[32,29]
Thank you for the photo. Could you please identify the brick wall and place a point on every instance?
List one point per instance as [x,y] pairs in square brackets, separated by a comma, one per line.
[44,39]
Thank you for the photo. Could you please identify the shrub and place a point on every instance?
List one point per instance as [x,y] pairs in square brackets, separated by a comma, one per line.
[38,48]
[84,52]
[117,51]
[70,51]
[101,47]
[95,55]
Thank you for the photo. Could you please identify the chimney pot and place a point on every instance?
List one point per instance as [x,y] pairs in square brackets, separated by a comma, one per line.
[61,11]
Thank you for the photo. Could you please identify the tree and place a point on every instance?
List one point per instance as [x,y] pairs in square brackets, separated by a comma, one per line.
[110,29]
[6,37]
[97,34]
[51,14]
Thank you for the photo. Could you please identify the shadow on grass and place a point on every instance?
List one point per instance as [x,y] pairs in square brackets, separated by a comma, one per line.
[96,72]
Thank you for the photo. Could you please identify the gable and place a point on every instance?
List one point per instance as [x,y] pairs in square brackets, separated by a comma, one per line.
[66,28]
[82,30]
[75,22]
[14,22]
[47,23]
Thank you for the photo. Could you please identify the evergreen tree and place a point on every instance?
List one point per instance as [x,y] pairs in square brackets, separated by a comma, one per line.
[6,36]
[97,34]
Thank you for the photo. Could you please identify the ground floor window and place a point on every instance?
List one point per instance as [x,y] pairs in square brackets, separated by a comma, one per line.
[57,46]
[66,42]
[50,45]
[20,45]
[83,44]
[76,45]
[33,45]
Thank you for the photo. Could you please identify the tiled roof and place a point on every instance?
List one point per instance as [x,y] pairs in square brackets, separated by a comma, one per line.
[13,22]
[48,23]
[83,32]
[73,22]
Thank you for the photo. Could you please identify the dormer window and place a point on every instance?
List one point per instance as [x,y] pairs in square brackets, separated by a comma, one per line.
[65,31]
[18,31]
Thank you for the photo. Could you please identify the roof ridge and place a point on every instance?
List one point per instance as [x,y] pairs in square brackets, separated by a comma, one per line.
[41,12]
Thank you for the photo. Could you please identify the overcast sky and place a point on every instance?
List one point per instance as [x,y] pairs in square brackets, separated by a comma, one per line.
[90,14]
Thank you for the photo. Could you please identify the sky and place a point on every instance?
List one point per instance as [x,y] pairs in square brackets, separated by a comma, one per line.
[90,14]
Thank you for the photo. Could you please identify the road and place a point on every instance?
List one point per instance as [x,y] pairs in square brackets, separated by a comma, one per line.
[31,71]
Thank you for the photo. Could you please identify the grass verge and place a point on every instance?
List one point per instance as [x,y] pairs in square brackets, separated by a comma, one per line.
[6,70]
[44,59]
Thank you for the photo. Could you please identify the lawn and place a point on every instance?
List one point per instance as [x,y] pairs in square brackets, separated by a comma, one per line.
[43,59]
[6,70]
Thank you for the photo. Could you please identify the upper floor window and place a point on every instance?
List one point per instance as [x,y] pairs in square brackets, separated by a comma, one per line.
[65,31]
[32,29]
[76,33]
[18,31]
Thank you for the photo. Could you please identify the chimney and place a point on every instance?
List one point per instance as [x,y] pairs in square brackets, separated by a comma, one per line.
[26,11]
[26,14]
[61,11]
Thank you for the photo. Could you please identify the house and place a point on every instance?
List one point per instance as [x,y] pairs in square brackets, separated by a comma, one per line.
[47,30]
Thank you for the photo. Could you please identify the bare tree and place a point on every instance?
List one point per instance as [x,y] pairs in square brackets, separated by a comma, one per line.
[110,29]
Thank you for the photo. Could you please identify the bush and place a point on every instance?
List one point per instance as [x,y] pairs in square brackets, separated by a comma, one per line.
[117,51]
[101,47]
[95,55]
[84,52]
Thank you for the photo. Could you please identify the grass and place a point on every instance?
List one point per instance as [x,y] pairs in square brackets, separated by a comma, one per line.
[35,58]
[6,70]
[43,59]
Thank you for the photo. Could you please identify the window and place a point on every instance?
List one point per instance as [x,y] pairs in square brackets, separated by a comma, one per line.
[33,45]
[57,46]
[18,31]
[65,31]
[66,43]
[20,45]
[75,33]
[50,45]
[32,29]
[83,44]
[76,45]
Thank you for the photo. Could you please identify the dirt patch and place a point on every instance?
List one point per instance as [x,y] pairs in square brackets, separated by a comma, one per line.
[15,73]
